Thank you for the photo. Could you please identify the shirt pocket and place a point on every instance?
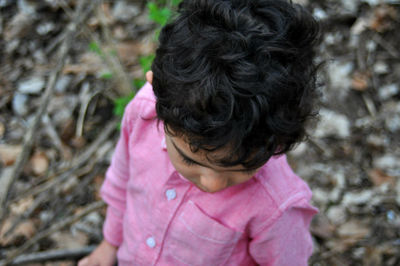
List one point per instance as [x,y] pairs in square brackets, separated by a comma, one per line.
[196,239]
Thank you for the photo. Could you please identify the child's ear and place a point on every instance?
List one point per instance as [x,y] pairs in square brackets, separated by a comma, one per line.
[149,76]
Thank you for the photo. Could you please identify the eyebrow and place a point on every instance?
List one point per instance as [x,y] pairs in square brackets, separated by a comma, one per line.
[181,153]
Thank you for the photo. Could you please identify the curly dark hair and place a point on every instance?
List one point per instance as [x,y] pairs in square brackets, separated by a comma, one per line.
[238,75]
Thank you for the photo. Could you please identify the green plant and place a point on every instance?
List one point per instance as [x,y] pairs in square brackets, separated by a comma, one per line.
[160,12]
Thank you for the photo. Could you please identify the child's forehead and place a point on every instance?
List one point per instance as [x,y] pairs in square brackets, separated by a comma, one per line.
[212,158]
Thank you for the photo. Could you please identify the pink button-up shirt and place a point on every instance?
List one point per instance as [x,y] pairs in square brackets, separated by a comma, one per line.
[157,217]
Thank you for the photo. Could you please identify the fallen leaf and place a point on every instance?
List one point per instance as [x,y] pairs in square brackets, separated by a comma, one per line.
[353,230]
[9,153]
[379,177]
[383,18]
[360,81]
[22,205]
[90,63]
[68,241]
[25,230]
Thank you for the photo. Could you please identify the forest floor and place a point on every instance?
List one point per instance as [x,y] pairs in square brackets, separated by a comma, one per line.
[62,69]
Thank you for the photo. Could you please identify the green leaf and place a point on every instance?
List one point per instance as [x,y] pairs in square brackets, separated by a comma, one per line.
[106,75]
[95,48]
[146,61]
[175,2]
[138,83]
[157,14]
[121,103]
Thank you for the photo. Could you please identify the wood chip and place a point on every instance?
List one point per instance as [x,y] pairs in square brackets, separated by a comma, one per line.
[9,153]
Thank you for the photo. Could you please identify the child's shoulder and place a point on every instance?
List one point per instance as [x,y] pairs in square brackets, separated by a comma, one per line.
[280,183]
[143,104]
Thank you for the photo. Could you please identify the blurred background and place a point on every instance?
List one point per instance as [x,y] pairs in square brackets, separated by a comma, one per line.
[68,68]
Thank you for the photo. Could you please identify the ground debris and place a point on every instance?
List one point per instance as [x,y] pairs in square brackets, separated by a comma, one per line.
[351,161]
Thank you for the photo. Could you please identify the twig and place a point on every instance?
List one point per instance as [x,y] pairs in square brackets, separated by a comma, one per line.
[79,17]
[60,254]
[370,105]
[387,46]
[124,86]
[85,99]
[52,132]
[56,227]
[78,162]
[121,77]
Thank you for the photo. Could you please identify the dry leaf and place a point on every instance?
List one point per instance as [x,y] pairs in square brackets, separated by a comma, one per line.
[21,206]
[9,153]
[353,230]
[39,163]
[379,177]
[69,241]
[22,232]
[360,81]
[90,63]
[382,19]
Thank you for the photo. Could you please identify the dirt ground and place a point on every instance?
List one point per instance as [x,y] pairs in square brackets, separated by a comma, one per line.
[62,67]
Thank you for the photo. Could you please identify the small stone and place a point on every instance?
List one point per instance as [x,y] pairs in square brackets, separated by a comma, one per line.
[63,83]
[388,91]
[377,142]
[381,67]
[371,2]
[94,219]
[124,12]
[319,13]
[357,198]
[332,124]
[19,104]
[340,77]
[387,161]
[391,115]
[31,86]
[337,214]
[320,196]
[299,150]
[350,5]
[39,163]
[353,229]
[45,28]
[371,46]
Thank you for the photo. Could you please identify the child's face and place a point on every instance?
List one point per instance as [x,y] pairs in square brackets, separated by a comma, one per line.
[196,168]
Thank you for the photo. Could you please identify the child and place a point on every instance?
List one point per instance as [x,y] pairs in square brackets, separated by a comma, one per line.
[198,176]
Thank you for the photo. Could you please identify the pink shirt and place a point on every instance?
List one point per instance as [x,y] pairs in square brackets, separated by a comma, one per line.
[157,217]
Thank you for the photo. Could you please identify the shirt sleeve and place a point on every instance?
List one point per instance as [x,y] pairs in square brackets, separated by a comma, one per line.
[287,241]
[113,190]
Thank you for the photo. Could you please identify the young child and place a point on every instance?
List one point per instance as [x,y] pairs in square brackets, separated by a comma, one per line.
[198,176]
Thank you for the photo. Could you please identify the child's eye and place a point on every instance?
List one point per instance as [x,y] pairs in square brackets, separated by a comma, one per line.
[187,161]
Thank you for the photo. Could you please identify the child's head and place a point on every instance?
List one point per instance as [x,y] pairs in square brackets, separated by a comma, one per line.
[237,76]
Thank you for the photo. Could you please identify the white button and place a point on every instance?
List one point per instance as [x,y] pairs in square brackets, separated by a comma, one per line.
[170,193]
[151,242]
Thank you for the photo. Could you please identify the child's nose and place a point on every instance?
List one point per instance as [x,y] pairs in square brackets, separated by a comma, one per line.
[212,180]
